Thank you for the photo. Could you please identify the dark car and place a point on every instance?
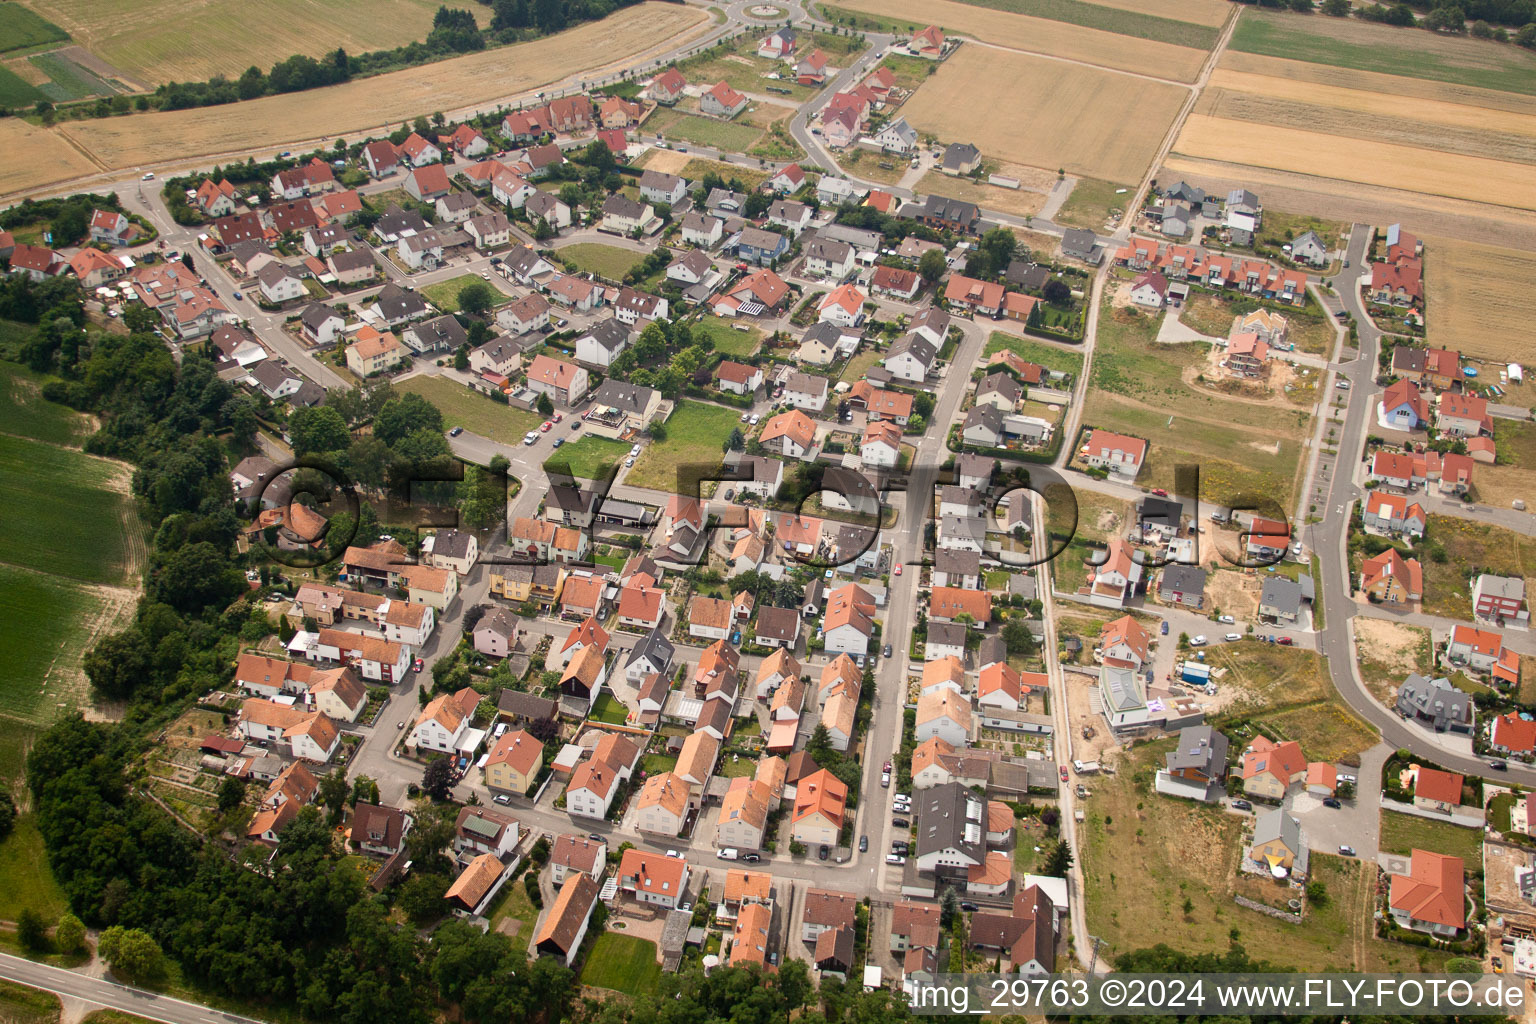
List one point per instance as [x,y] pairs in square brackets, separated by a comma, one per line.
[969,907]
[900,823]
[887,650]
[1332,802]
[863,844]
[1242,805]
[821,854]
[456,431]
[901,846]
[1498,766]
[751,858]
[595,837]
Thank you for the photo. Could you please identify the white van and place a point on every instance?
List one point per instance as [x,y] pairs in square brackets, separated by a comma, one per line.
[728,853]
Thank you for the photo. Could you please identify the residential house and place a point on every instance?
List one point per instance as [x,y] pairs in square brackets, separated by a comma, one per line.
[444,720]
[791,434]
[754,245]
[880,447]
[898,137]
[565,383]
[660,187]
[1431,897]
[514,763]
[1269,769]
[722,101]
[927,42]
[1462,415]
[960,158]
[1436,703]
[667,87]
[380,831]
[1437,791]
[1390,578]
[1277,842]
[1182,585]
[373,353]
[820,802]
[738,378]
[662,807]
[702,229]
[350,267]
[1120,455]
[896,283]
[1499,598]
[912,357]
[1403,407]
[625,216]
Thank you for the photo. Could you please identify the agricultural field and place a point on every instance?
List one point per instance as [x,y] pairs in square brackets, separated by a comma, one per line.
[696,436]
[79,574]
[1144,389]
[1086,120]
[464,407]
[1474,293]
[589,457]
[16,91]
[1393,165]
[22,29]
[37,156]
[153,41]
[1043,35]
[1471,548]
[1348,43]
[1126,21]
[65,79]
[22,1005]
[1182,850]
[368,104]
[1021,202]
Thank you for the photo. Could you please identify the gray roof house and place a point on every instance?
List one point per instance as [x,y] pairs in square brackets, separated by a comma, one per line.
[1185,191]
[961,158]
[1081,245]
[440,334]
[1280,599]
[1279,825]
[1309,248]
[1182,585]
[1201,754]
[1240,200]
[1436,703]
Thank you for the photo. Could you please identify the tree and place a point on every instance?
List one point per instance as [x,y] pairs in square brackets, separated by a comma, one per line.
[544,405]
[1526,37]
[1060,861]
[68,934]
[1337,8]
[1188,907]
[7,813]
[1057,292]
[1446,19]
[437,779]
[140,319]
[364,790]
[70,224]
[231,794]
[130,952]
[476,297]
[1317,893]
[333,792]
[32,930]
[932,265]
[949,905]
[736,441]
[317,429]
[1017,637]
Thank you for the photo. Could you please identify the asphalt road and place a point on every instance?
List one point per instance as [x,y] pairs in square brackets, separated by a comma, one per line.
[113,995]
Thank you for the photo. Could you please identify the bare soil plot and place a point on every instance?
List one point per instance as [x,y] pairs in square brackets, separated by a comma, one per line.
[1476,293]
[1369,204]
[1041,35]
[1388,651]
[373,103]
[1019,201]
[161,41]
[1404,167]
[1228,592]
[35,155]
[1083,119]
[668,161]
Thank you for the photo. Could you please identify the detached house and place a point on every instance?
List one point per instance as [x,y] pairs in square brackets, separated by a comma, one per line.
[1121,455]
[722,101]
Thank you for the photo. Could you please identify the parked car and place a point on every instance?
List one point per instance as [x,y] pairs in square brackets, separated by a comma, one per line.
[546,426]
[634,449]
[1163,629]
[1226,620]
[1346,851]
[1498,766]
[1332,802]
[863,844]
[885,779]
[674,853]
[821,854]
[1284,641]
[751,858]
[417,665]
[1233,638]
[1063,773]
[1242,805]
[1197,641]
[897,570]
[895,858]
[456,431]
[530,437]
[239,296]
[728,853]
[900,823]
[887,652]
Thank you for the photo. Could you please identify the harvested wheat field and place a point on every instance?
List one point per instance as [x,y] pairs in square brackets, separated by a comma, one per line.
[1091,122]
[37,155]
[166,41]
[1430,124]
[1293,72]
[1040,35]
[371,104]
[1332,199]
[1404,167]
[1475,296]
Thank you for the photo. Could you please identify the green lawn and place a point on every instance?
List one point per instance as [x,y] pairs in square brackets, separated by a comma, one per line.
[696,436]
[512,902]
[21,28]
[653,763]
[1404,833]
[622,963]
[22,1005]
[606,260]
[112,1017]
[462,407]
[609,709]
[1110,19]
[1049,356]
[728,136]
[588,457]
[445,294]
[1388,50]
[1090,203]
[727,340]
[25,880]
[16,91]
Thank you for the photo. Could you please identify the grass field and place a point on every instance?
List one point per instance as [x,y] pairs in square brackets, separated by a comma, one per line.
[445,294]
[1514,475]
[608,260]
[732,136]
[1091,202]
[623,963]
[588,457]
[1044,35]
[1472,548]
[512,902]
[1392,165]
[1404,833]
[22,1005]
[1139,388]
[1367,47]
[1086,120]
[1473,293]
[609,709]
[25,880]
[1123,21]
[622,38]
[727,340]
[696,435]
[1144,855]
[22,29]
[66,486]
[473,411]
[1047,355]
[1212,315]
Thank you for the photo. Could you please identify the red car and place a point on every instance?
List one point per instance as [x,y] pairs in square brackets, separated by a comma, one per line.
[1063,773]
[545,426]
[559,416]
[897,570]
[1159,492]
[1284,641]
